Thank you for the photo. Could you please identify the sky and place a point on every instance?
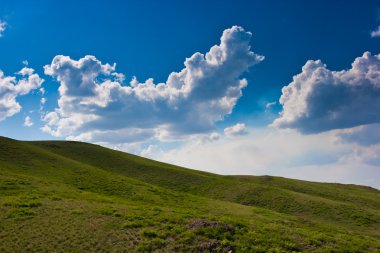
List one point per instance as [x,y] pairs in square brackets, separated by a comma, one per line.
[283,88]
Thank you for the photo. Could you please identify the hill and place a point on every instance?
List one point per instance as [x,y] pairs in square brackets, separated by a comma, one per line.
[59,196]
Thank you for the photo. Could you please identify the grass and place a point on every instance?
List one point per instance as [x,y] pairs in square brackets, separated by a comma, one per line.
[59,196]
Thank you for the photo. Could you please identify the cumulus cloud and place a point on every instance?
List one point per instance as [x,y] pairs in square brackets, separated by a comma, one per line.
[3,26]
[13,86]
[319,99]
[26,71]
[236,130]
[376,33]
[28,122]
[93,98]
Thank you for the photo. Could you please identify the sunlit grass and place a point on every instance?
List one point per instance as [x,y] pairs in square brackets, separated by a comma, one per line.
[76,197]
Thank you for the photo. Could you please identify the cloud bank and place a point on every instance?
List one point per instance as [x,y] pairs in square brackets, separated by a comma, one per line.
[279,152]
[94,103]
[319,99]
[13,86]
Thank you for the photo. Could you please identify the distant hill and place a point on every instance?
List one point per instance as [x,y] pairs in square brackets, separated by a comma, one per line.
[63,196]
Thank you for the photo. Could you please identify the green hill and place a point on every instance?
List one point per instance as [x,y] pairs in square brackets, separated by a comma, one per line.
[59,196]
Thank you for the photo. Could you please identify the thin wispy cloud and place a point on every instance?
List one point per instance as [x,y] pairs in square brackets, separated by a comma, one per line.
[3,26]
[376,32]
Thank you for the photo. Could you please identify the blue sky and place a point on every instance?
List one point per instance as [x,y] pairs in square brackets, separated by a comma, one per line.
[226,109]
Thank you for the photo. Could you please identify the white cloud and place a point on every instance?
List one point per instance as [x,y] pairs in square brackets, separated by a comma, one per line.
[132,148]
[287,153]
[42,103]
[93,98]
[363,154]
[262,151]
[236,130]
[11,87]
[340,172]
[365,135]
[28,122]
[270,105]
[26,71]
[125,135]
[319,99]
[3,26]
[25,62]
[376,33]
[213,136]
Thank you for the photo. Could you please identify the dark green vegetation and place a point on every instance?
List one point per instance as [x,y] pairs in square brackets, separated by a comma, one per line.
[75,197]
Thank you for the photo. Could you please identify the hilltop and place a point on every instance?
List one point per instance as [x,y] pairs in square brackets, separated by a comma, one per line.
[66,196]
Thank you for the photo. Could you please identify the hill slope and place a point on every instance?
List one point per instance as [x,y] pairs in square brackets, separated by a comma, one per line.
[75,197]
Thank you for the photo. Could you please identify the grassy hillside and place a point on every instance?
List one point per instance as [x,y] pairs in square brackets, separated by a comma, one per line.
[77,197]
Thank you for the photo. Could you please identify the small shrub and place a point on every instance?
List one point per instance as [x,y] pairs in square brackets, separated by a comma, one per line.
[77,211]
[21,213]
[132,224]
[56,198]
[144,247]
[107,211]
[158,242]
[363,219]
[22,203]
[149,233]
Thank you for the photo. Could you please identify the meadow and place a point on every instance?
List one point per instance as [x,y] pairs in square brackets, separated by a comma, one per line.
[63,196]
